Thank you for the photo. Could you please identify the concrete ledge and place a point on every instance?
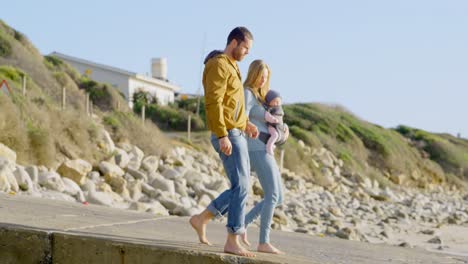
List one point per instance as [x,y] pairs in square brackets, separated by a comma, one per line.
[24,246]
[44,231]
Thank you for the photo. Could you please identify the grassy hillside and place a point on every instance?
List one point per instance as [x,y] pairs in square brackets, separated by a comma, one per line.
[35,125]
[373,151]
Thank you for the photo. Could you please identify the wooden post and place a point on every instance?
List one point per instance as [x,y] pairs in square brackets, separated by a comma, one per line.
[281,159]
[87,104]
[24,84]
[143,114]
[189,127]
[91,108]
[64,98]
[118,105]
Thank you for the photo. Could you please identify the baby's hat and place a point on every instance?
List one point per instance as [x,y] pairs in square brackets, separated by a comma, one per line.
[272,94]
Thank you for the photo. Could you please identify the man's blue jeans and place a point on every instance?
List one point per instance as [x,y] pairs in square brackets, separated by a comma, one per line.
[237,168]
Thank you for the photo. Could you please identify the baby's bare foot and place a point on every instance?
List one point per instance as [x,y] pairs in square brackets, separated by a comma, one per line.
[268,248]
[200,228]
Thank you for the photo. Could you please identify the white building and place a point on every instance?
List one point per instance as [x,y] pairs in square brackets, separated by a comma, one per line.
[125,81]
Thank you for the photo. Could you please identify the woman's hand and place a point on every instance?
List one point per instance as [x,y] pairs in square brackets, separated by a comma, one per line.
[251,130]
[270,118]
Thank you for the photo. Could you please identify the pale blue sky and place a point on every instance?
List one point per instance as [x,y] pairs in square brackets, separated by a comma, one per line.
[389,62]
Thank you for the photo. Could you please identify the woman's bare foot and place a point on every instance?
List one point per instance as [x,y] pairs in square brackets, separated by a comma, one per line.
[232,246]
[244,239]
[268,248]
[200,226]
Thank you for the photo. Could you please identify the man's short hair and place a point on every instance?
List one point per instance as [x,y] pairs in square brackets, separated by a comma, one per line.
[239,34]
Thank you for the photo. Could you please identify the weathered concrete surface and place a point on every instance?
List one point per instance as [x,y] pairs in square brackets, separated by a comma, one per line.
[36,230]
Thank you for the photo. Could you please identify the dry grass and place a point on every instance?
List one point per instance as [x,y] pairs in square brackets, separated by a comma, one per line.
[36,127]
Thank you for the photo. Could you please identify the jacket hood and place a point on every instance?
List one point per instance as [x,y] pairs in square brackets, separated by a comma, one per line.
[212,54]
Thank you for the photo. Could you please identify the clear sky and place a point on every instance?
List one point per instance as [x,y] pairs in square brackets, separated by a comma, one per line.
[389,62]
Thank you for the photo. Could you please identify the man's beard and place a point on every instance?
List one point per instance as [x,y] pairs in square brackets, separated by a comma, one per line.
[237,55]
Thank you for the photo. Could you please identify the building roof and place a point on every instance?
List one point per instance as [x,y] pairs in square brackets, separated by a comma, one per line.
[141,77]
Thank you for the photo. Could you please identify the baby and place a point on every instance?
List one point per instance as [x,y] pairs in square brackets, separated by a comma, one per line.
[274,118]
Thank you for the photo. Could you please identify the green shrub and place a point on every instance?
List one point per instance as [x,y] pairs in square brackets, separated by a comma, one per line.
[112,122]
[5,46]
[11,73]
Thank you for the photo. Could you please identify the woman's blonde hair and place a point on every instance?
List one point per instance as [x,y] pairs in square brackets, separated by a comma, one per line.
[254,74]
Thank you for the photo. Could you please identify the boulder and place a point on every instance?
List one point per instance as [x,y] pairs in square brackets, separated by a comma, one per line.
[7,153]
[75,170]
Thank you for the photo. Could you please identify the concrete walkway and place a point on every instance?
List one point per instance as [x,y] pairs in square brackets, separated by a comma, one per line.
[34,230]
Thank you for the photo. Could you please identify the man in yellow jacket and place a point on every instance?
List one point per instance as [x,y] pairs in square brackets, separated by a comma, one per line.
[225,114]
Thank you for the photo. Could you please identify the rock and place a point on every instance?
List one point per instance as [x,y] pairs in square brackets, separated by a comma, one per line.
[347,233]
[136,156]
[157,208]
[22,177]
[110,169]
[405,245]
[121,158]
[163,184]
[336,211]
[75,170]
[118,183]
[71,188]
[150,163]
[280,217]
[398,179]
[200,190]
[33,173]
[185,211]
[150,191]
[100,198]
[5,185]
[107,143]
[140,207]
[180,188]
[435,240]
[204,200]
[94,176]
[51,180]
[427,232]
[135,189]
[7,153]
[138,174]
[326,180]
[168,203]
[171,174]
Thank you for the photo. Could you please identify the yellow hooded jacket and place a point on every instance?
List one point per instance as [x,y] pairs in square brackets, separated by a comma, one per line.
[224,95]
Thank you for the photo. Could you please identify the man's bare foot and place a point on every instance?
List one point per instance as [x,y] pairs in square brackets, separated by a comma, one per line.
[198,224]
[232,247]
[268,248]
[244,239]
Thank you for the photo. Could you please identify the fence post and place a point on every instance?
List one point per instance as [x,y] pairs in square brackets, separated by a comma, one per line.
[64,98]
[87,104]
[143,109]
[118,105]
[281,159]
[189,127]
[24,84]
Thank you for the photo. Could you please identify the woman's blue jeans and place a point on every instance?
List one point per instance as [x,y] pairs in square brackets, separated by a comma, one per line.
[237,168]
[269,176]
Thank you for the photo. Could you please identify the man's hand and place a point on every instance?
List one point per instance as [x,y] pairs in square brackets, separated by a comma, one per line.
[225,145]
[251,130]
[270,118]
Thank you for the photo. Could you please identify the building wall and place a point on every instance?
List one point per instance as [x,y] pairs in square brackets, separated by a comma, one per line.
[117,80]
[164,95]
